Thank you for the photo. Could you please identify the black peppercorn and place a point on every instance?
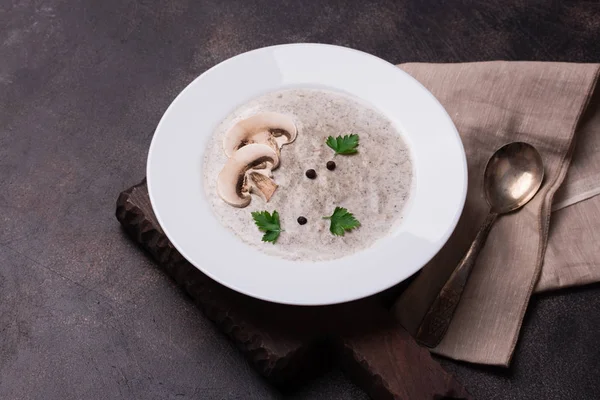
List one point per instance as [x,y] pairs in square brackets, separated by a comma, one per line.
[330,165]
[302,220]
[311,174]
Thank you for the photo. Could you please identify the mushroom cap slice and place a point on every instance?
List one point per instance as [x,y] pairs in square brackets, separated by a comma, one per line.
[269,128]
[232,182]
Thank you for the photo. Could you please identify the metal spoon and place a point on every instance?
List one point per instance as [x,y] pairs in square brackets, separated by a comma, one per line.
[512,177]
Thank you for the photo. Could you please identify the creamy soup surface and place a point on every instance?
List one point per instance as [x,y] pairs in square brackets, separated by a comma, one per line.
[373,184]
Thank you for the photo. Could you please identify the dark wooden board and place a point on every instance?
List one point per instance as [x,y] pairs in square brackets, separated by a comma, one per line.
[287,344]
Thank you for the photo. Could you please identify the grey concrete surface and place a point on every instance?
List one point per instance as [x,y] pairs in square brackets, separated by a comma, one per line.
[83,313]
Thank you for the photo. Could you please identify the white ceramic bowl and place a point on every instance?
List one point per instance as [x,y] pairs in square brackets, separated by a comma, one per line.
[175,177]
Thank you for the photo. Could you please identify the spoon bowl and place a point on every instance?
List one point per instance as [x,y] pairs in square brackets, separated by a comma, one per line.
[512,177]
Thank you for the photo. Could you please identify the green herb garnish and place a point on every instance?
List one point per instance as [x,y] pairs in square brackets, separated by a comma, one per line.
[269,224]
[343,144]
[342,221]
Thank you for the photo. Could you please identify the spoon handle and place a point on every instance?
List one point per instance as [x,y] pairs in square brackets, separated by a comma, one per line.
[438,317]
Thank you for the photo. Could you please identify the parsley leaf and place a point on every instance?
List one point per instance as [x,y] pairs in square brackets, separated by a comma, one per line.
[270,236]
[342,221]
[343,144]
[269,224]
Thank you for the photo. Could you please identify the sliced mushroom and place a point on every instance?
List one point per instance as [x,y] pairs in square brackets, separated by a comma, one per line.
[270,128]
[261,184]
[241,175]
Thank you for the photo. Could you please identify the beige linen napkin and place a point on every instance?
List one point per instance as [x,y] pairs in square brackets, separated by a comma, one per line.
[549,105]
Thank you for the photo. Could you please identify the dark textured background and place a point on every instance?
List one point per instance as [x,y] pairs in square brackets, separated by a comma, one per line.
[84,314]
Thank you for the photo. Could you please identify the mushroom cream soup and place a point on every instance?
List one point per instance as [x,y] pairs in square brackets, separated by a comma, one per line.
[264,151]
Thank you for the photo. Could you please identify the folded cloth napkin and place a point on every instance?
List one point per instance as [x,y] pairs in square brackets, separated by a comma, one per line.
[553,107]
